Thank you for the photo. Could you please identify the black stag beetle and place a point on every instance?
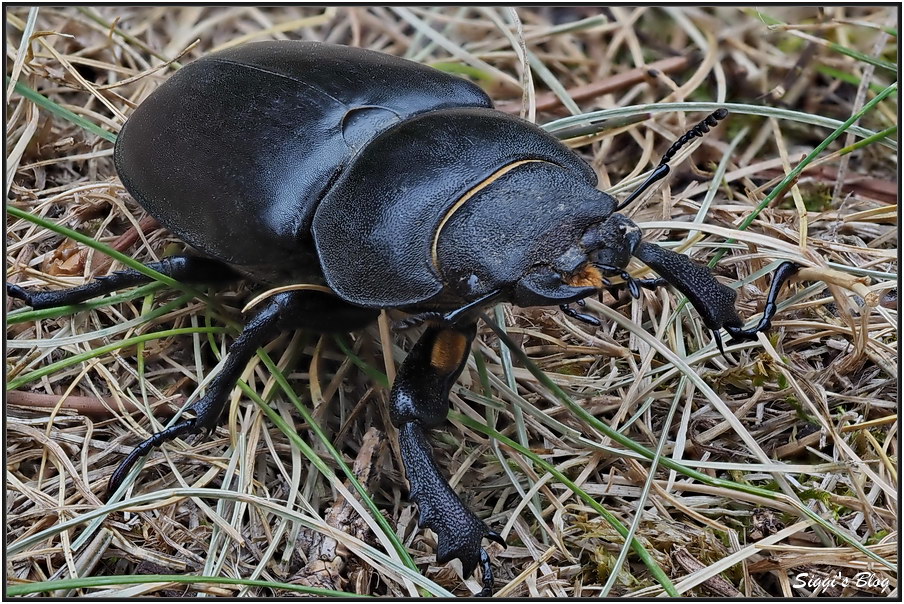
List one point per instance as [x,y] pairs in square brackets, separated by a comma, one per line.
[392,185]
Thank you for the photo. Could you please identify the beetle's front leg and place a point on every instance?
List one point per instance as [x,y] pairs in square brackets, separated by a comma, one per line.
[420,401]
[715,302]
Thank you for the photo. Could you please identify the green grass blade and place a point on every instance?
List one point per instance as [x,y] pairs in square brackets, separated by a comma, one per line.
[23,589]
[48,105]
[854,54]
[102,350]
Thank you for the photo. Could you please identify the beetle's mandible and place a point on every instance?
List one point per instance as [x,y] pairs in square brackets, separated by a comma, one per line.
[392,185]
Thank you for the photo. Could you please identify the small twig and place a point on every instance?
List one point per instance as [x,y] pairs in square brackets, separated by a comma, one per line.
[123,242]
[93,407]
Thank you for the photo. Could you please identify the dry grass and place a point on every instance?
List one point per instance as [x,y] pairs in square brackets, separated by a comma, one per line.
[812,408]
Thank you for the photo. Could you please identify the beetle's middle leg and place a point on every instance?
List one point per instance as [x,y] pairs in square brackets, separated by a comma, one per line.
[420,401]
[315,311]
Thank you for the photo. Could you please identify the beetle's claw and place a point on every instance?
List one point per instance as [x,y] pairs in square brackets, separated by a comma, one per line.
[717,336]
[167,434]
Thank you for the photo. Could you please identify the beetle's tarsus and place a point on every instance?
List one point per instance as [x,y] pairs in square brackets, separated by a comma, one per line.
[487,569]
[145,447]
[785,271]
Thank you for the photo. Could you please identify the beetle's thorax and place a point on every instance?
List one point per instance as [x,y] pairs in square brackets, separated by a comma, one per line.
[536,214]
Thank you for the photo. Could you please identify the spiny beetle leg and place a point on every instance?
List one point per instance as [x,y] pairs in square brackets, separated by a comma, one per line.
[785,271]
[420,401]
[191,269]
[263,327]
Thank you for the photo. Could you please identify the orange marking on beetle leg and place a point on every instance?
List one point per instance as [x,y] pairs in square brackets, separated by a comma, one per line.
[587,275]
[449,348]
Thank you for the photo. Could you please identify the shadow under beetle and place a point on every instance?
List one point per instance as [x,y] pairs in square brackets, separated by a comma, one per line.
[396,186]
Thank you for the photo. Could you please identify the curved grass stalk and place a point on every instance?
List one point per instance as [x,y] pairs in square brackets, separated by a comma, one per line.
[596,121]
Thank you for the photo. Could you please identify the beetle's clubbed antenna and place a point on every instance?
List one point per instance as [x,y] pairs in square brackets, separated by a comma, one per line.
[663,168]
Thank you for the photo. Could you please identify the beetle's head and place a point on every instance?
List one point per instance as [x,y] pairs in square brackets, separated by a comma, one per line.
[602,251]
[610,244]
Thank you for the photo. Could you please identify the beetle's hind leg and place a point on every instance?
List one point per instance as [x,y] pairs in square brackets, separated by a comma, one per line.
[263,327]
[191,269]
[289,310]
[420,401]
